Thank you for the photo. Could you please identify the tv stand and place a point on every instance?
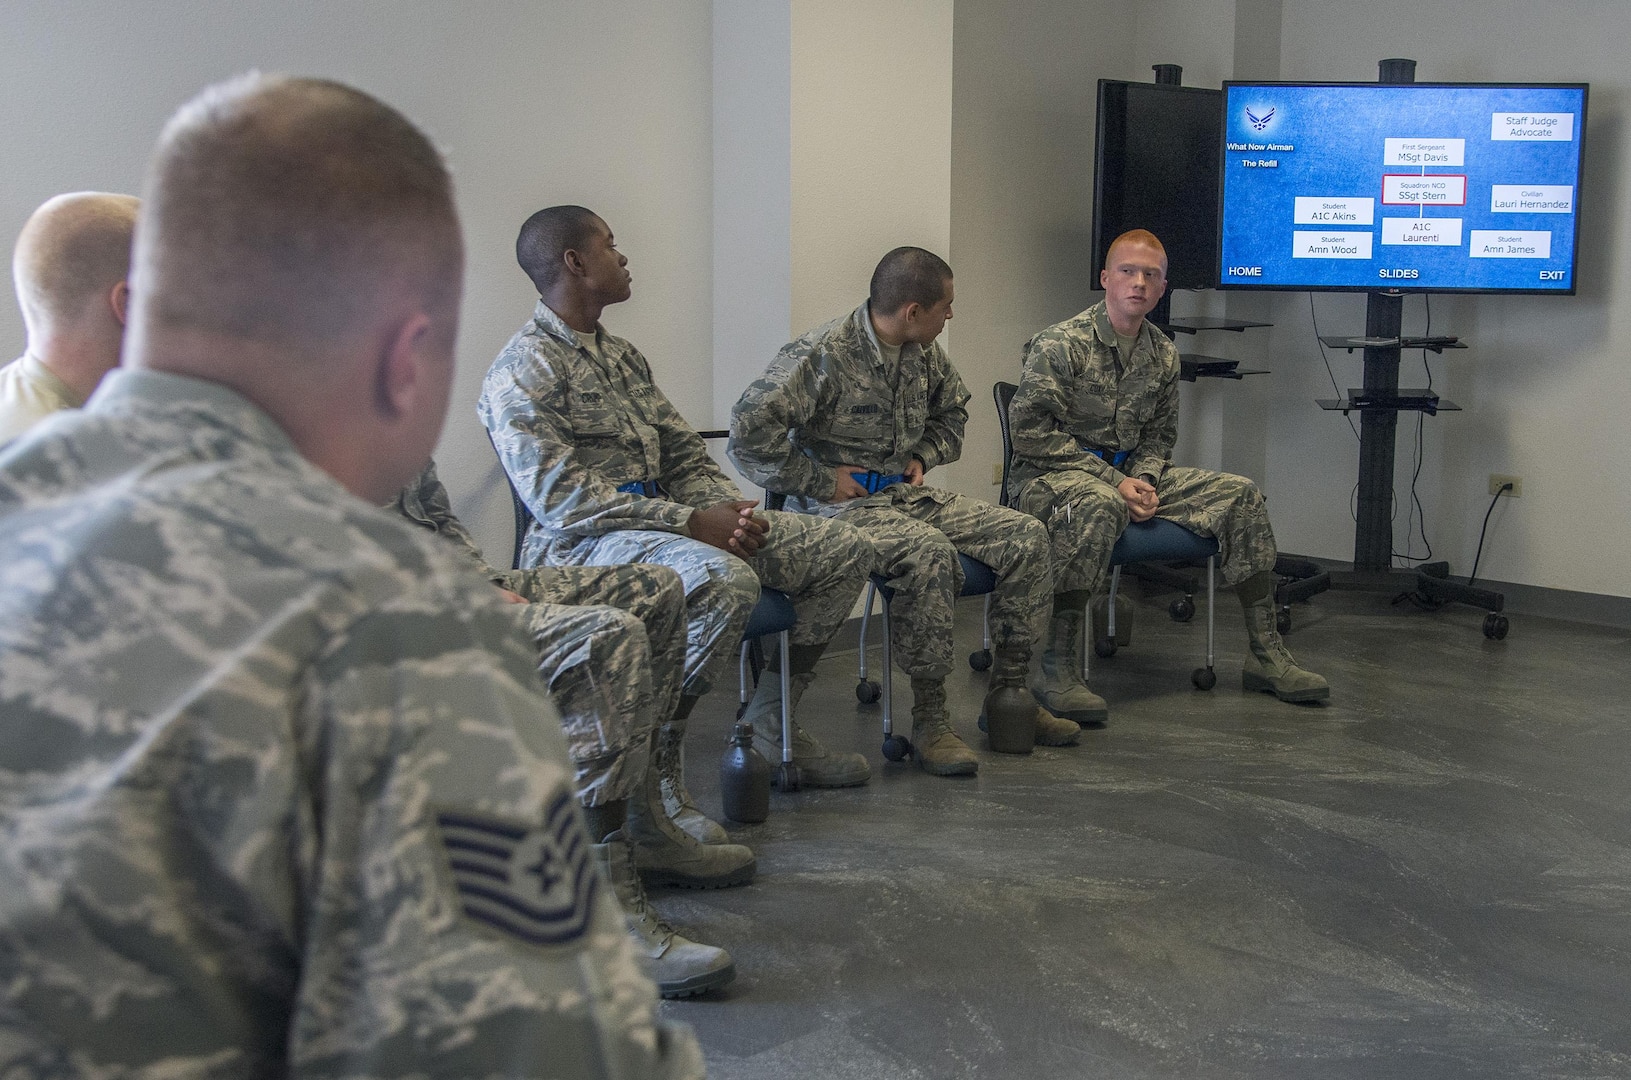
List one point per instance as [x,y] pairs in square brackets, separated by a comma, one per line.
[1379,403]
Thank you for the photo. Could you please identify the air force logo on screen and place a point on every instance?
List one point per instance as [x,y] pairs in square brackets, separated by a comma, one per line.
[1260,118]
[533,882]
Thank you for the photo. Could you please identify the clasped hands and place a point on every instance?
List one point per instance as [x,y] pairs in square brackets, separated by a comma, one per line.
[1140,498]
[730,526]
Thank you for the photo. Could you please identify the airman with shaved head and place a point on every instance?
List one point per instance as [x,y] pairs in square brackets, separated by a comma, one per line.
[1093,422]
[70,268]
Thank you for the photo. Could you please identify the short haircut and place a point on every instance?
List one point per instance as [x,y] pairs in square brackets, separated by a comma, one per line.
[546,237]
[73,247]
[908,275]
[1136,236]
[283,210]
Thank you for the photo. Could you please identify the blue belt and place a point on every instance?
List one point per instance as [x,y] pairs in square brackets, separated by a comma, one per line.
[648,488]
[1115,457]
[875,482]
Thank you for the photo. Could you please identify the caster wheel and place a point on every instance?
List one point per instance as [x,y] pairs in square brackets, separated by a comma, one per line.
[867,692]
[787,777]
[980,661]
[1182,609]
[1495,626]
[1282,621]
[896,747]
[1204,678]
[740,709]
[1105,647]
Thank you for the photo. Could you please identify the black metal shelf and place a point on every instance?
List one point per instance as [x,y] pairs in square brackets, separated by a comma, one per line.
[1194,366]
[1404,403]
[1438,345]
[1194,324]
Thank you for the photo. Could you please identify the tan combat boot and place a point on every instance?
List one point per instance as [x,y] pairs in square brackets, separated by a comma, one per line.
[669,760]
[1271,667]
[679,966]
[1060,688]
[937,748]
[666,854]
[818,766]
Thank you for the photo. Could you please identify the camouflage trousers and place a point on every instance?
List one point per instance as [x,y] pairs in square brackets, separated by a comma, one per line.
[1085,516]
[918,536]
[820,564]
[611,647]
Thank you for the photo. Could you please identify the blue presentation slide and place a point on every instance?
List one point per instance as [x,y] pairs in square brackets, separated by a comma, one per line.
[1371,186]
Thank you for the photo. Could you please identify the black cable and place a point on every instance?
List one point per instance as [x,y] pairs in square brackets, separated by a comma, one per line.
[1417,515]
[1329,373]
[1506,487]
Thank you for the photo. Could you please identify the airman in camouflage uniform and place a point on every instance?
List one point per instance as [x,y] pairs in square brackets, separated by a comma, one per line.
[280,793]
[1093,425]
[597,631]
[874,393]
[613,474]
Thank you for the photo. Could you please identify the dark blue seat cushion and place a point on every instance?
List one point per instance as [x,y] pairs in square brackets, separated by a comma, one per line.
[978,578]
[771,615]
[1160,540]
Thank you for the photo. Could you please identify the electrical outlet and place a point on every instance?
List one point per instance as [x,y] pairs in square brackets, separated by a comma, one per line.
[996,472]
[1497,481]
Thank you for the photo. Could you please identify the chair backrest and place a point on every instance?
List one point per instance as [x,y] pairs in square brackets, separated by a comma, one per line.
[523,513]
[1003,393]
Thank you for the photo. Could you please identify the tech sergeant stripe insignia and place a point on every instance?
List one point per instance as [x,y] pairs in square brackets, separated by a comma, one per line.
[535,884]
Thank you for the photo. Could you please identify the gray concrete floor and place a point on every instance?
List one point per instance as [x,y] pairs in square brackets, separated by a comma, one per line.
[1428,877]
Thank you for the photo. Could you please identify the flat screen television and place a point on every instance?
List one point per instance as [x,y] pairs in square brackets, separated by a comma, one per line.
[1424,187]
[1156,168]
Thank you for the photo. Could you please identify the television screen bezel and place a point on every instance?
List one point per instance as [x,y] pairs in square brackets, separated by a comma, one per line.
[1400,287]
[1100,243]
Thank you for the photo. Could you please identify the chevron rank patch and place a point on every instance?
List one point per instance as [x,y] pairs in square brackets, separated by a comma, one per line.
[536,884]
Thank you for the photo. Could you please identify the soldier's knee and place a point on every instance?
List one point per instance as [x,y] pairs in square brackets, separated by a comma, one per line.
[732,583]
[851,548]
[1243,491]
[939,553]
[1098,512]
[1029,533]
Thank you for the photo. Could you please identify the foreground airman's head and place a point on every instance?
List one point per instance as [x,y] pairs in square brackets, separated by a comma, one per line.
[298,242]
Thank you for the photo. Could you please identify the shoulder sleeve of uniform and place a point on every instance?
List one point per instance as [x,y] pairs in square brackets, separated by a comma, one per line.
[765,419]
[454,860]
[438,505]
[942,441]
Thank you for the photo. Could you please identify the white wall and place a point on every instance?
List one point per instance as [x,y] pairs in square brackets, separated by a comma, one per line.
[535,101]
[1023,102]
[753,199]
[871,144]
[752,208]
[1546,380]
